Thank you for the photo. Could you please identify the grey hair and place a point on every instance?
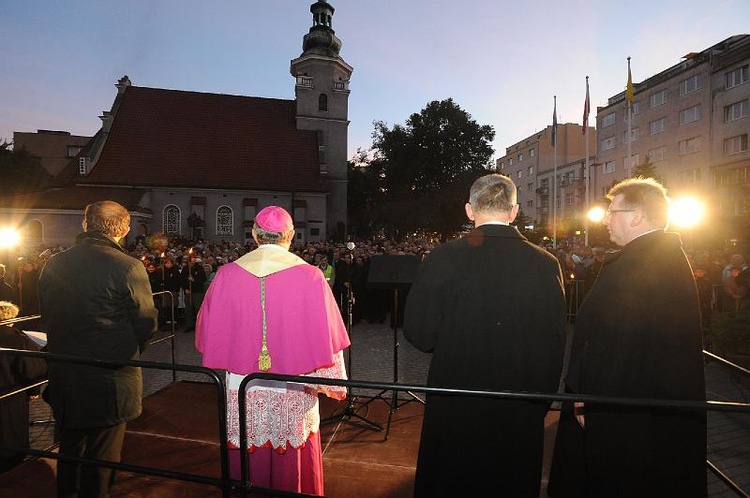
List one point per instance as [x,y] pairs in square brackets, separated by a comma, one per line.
[493,193]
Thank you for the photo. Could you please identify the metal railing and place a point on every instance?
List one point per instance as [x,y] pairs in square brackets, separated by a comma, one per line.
[226,484]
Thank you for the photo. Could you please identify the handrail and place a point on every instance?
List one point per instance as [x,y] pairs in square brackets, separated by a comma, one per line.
[511,395]
[227,484]
[224,482]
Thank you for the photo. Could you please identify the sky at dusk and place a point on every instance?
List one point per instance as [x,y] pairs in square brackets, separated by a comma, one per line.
[502,61]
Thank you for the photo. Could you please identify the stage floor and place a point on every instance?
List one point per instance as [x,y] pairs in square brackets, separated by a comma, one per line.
[178,432]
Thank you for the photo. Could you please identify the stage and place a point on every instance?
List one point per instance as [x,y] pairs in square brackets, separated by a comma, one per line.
[178,432]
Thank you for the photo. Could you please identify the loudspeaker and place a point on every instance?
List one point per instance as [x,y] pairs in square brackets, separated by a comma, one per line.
[389,270]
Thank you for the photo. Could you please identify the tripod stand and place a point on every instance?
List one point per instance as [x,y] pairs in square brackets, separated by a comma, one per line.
[397,273]
[349,414]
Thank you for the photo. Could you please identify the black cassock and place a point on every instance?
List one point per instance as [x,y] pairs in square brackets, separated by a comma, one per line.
[491,309]
[637,335]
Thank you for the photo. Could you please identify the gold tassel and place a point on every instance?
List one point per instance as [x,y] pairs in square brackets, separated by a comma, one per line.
[264,360]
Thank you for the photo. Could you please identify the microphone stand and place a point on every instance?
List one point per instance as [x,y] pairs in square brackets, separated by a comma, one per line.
[350,412]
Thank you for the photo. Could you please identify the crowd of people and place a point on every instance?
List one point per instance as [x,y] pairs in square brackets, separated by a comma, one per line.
[185,268]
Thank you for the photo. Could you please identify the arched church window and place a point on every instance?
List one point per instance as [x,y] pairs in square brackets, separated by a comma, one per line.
[323,102]
[224,221]
[171,219]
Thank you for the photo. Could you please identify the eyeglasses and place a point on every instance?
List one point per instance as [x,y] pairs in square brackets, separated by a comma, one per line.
[610,212]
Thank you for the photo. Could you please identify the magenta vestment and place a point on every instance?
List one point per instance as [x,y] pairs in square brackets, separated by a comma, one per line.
[305,335]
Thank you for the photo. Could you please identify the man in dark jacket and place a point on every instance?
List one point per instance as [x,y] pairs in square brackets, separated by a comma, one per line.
[637,335]
[96,302]
[491,309]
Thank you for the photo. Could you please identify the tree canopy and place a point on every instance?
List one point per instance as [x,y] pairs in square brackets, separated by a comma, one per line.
[419,173]
[21,171]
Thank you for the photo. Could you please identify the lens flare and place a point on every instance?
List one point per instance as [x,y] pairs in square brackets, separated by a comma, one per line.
[686,212]
[596,214]
[9,237]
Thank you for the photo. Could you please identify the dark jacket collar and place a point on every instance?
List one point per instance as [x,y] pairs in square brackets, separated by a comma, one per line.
[98,239]
[497,231]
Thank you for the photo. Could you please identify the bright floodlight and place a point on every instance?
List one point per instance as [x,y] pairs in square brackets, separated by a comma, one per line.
[686,212]
[9,237]
[596,214]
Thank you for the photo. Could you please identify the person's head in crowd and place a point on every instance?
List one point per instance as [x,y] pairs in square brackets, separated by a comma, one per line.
[492,198]
[150,268]
[8,310]
[108,218]
[637,206]
[273,225]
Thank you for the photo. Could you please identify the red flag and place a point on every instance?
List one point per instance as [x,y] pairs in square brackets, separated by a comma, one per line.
[586,108]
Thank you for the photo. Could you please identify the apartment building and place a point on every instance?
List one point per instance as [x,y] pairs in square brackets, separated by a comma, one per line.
[691,121]
[531,164]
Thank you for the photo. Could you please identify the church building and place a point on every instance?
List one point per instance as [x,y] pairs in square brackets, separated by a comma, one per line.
[200,165]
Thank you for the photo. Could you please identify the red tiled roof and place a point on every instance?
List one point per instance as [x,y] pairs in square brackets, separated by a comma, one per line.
[73,198]
[203,140]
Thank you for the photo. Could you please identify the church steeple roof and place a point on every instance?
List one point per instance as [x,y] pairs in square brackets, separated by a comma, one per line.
[321,39]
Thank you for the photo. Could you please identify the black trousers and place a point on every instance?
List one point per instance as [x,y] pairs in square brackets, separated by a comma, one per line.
[88,481]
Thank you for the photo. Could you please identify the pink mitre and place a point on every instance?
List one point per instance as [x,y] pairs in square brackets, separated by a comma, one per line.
[274,219]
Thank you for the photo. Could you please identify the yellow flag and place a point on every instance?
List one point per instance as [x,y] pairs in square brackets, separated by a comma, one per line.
[629,87]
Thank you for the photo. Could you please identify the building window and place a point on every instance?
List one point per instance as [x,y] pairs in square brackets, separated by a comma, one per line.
[532,152]
[531,170]
[609,167]
[735,111]
[737,77]
[569,199]
[735,145]
[520,157]
[530,204]
[608,120]
[171,219]
[519,173]
[633,135]
[658,98]
[691,84]
[510,162]
[689,176]
[690,114]
[502,166]
[224,221]
[323,102]
[608,143]
[689,146]
[73,150]
[658,154]
[635,108]
[657,126]
[631,162]
[519,192]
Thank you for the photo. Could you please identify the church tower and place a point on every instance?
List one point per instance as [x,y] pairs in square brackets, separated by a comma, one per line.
[322,95]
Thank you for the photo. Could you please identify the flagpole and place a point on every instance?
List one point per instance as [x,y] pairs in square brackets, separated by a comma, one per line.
[554,175]
[586,172]
[629,98]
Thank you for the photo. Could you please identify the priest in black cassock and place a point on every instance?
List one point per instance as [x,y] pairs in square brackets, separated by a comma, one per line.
[491,308]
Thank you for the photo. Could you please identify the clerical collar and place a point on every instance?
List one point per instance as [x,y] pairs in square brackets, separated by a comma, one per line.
[272,246]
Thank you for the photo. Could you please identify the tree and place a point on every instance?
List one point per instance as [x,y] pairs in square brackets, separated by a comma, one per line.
[21,171]
[422,170]
[646,169]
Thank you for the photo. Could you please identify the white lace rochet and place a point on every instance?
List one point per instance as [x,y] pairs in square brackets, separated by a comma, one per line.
[280,413]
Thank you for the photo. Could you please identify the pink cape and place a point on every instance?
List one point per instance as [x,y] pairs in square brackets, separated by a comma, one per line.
[304,325]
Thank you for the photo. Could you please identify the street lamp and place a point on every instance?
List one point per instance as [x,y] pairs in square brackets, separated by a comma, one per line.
[9,237]
[686,212]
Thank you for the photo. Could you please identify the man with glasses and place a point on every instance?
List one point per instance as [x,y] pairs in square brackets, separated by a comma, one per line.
[637,335]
